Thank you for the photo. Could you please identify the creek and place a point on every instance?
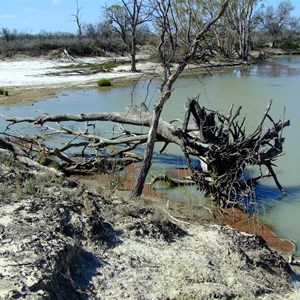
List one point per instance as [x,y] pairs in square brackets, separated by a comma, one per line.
[252,87]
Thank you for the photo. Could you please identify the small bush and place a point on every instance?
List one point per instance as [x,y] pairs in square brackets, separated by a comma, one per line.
[110,65]
[103,66]
[104,82]
[1,91]
[6,93]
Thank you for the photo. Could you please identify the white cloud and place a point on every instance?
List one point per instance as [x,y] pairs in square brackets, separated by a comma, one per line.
[56,2]
[7,16]
[33,10]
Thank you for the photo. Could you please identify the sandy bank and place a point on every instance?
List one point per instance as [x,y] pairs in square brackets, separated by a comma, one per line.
[35,72]
[30,79]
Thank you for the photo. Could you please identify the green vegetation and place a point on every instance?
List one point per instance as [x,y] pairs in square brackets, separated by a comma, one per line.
[10,162]
[3,92]
[264,26]
[29,186]
[96,40]
[104,66]
[104,82]
[21,182]
[88,68]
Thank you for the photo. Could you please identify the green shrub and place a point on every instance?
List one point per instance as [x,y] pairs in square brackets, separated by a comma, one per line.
[104,66]
[1,91]
[110,65]
[104,82]
[6,93]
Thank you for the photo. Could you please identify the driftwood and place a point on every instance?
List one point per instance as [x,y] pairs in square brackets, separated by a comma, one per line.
[95,152]
[225,153]
[230,152]
[219,142]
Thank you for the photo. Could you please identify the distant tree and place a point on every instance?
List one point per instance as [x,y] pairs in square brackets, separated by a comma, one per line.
[126,19]
[77,19]
[190,17]
[291,35]
[274,21]
[103,36]
[144,35]
[240,17]
[222,38]
[7,34]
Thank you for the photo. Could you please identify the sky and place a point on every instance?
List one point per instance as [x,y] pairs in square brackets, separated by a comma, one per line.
[33,16]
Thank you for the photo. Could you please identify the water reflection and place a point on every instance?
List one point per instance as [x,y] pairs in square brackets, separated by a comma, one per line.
[282,214]
[267,69]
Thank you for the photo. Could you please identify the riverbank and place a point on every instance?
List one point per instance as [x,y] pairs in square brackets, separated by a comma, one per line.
[117,264]
[232,216]
[30,79]
[33,79]
[63,240]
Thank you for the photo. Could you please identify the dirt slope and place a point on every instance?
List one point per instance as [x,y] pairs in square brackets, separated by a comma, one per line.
[61,241]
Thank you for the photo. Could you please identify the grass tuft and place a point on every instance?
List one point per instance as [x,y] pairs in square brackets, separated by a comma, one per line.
[104,82]
[3,92]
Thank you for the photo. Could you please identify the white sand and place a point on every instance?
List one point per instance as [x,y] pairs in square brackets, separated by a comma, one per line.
[36,72]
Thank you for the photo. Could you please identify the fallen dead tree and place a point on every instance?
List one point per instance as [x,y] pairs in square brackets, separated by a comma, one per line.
[225,152]
[90,152]
[219,142]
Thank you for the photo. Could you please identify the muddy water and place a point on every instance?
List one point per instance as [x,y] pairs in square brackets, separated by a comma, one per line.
[252,87]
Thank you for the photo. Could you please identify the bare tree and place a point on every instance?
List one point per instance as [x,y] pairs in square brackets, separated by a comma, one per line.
[77,19]
[240,17]
[167,49]
[126,19]
[223,39]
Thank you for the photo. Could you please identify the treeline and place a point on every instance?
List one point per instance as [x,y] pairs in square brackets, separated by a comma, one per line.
[97,39]
[247,25]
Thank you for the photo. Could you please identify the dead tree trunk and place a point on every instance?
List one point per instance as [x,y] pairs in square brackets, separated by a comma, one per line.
[168,45]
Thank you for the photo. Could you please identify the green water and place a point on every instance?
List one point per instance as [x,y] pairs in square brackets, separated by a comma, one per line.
[252,87]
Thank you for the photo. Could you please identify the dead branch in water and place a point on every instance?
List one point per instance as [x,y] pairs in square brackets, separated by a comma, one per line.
[231,152]
[218,142]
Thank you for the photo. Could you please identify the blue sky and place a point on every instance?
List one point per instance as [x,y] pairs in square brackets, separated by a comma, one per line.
[32,16]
